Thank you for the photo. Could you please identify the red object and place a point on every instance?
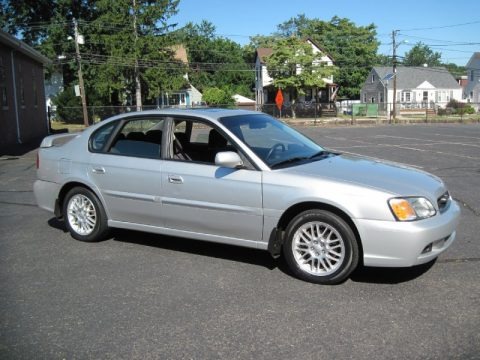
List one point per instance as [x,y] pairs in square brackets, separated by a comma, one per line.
[279,99]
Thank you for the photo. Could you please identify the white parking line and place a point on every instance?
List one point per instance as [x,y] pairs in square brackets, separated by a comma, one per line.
[460,136]
[431,141]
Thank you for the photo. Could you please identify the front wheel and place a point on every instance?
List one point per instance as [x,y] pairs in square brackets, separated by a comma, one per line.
[84,215]
[320,247]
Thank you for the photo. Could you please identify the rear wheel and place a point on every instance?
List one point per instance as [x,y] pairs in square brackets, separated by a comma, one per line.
[320,247]
[84,215]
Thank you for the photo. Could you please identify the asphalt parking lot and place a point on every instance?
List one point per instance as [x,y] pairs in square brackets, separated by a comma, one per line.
[141,296]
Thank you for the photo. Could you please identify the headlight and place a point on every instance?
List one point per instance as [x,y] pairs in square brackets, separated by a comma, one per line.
[411,208]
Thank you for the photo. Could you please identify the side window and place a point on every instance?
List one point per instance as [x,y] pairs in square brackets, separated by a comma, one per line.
[198,142]
[139,138]
[100,137]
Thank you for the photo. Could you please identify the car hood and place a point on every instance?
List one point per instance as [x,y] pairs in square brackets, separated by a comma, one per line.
[394,178]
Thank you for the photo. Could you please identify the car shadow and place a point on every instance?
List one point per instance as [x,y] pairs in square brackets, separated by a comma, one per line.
[203,248]
[386,275]
[57,224]
[372,275]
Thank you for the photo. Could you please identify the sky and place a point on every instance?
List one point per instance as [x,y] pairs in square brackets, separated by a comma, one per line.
[445,26]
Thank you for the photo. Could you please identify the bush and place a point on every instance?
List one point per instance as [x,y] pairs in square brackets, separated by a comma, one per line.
[466,110]
[69,107]
[217,97]
[460,108]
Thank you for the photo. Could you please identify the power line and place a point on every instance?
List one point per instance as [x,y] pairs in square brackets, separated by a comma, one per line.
[442,26]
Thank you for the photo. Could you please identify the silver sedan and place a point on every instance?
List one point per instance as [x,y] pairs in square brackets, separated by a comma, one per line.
[244,178]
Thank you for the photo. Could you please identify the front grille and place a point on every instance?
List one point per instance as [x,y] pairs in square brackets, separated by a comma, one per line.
[443,201]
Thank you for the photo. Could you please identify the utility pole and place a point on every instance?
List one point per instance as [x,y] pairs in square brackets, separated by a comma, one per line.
[394,58]
[138,84]
[80,75]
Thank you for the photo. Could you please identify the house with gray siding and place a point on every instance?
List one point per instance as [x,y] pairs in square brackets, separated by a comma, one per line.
[417,88]
[472,90]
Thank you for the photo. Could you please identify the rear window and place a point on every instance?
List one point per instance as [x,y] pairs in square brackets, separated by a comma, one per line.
[101,136]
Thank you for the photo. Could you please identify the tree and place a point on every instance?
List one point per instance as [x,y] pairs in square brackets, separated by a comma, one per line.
[352,47]
[127,49]
[384,60]
[455,69]
[420,55]
[215,61]
[133,34]
[33,20]
[294,65]
[217,97]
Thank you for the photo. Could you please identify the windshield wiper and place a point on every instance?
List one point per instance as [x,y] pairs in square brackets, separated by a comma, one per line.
[287,161]
[320,153]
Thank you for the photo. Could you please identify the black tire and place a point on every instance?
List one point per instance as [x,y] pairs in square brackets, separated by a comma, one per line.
[321,258]
[86,219]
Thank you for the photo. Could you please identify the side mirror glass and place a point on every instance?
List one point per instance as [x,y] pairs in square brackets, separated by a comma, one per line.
[228,159]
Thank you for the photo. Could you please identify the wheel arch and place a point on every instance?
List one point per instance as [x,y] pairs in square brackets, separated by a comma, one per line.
[64,191]
[278,233]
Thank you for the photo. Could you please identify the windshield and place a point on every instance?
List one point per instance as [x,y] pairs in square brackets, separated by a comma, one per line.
[271,140]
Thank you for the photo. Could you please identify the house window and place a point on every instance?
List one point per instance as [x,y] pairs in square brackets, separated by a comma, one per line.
[364,98]
[3,86]
[471,75]
[380,95]
[4,99]
[35,97]
[406,96]
[22,92]
[34,88]
[2,70]
[372,100]
[373,78]
[308,95]
[425,96]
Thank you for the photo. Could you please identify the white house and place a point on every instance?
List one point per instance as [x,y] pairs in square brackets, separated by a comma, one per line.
[417,87]
[265,92]
[472,90]
[187,97]
[53,87]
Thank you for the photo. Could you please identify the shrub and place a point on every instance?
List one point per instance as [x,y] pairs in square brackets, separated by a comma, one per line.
[460,108]
[217,97]
[69,107]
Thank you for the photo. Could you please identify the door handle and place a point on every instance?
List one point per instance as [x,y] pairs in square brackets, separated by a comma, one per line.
[175,179]
[98,170]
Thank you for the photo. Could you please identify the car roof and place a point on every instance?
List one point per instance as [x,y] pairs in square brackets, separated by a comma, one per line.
[210,113]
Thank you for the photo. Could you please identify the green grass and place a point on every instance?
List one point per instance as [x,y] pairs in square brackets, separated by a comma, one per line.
[58,125]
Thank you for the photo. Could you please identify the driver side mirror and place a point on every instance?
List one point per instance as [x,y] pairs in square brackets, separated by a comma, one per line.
[228,159]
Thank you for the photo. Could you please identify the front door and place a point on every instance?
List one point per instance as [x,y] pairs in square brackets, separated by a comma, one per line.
[203,198]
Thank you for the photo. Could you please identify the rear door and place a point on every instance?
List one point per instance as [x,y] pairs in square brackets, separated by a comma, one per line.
[128,171]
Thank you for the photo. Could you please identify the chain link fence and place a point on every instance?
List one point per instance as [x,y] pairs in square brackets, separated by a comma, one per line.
[349,111]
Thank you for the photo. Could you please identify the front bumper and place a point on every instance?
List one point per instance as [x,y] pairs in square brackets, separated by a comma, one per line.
[46,193]
[403,244]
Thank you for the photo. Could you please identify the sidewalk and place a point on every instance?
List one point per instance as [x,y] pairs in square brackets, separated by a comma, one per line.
[342,121]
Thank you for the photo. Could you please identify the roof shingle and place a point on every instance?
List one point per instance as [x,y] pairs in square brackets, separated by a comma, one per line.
[410,77]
